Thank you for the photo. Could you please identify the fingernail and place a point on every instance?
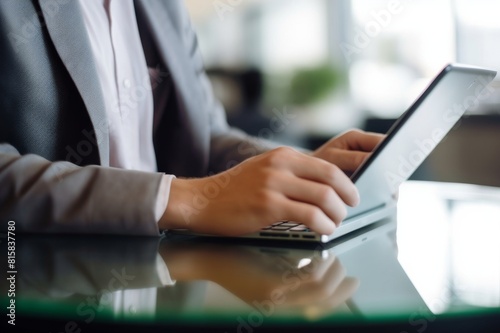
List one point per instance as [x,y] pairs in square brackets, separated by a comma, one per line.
[334,228]
[358,199]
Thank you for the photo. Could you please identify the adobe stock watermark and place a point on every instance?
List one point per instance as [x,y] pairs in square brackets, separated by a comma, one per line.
[11,272]
[408,163]
[420,319]
[92,305]
[224,7]
[32,25]
[379,21]
[278,123]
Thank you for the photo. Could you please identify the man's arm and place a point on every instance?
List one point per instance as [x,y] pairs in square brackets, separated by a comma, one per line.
[282,184]
[278,184]
[60,197]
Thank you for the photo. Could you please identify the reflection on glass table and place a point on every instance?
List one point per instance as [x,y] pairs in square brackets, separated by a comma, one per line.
[438,257]
[448,244]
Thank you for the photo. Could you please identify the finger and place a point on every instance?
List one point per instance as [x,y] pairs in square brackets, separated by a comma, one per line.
[320,289]
[310,215]
[318,170]
[347,160]
[358,140]
[314,271]
[317,269]
[345,290]
[330,281]
[314,193]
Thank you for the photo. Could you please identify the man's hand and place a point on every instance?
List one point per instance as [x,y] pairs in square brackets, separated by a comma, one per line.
[349,149]
[282,184]
[254,276]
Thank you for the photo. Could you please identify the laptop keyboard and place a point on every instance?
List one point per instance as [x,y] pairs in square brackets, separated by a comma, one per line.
[287,226]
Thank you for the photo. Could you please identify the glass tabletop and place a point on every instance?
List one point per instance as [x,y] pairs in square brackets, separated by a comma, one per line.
[433,265]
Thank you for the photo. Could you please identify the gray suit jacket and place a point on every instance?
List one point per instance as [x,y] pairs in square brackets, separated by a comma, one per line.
[54,174]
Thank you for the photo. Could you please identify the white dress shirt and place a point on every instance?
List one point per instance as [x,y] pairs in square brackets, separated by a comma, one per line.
[125,83]
[126,86]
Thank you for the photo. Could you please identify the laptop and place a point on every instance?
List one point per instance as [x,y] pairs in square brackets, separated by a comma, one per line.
[409,141]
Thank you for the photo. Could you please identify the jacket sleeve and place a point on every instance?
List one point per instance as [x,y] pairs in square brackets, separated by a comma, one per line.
[60,197]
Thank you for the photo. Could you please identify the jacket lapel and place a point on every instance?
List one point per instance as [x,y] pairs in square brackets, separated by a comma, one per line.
[177,58]
[68,33]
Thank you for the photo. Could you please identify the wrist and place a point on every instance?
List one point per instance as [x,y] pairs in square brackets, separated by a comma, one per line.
[180,209]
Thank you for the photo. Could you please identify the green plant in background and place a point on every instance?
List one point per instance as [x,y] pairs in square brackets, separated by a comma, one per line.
[311,85]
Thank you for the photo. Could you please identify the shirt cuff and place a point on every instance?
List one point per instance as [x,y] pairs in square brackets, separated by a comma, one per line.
[163,195]
[163,272]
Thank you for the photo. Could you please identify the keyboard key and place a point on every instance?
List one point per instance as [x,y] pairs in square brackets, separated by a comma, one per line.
[280,228]
[289,224]
[299,228]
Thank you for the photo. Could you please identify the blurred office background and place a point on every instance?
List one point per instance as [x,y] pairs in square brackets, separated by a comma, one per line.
[323,66]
